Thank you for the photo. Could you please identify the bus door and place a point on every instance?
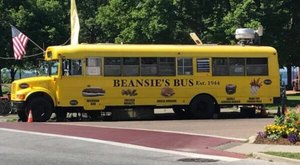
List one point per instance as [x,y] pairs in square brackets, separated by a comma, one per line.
[69,88]
[93,91]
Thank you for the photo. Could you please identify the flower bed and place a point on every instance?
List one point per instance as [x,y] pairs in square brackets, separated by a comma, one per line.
[285,130]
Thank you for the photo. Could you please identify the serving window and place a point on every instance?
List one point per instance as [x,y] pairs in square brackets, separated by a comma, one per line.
[149,66]
[131,66]
[167,66]
[240,66]
[93,66]
[112,66]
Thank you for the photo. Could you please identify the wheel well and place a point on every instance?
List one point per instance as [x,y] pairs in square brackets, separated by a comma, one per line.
[40,94]
[206,95]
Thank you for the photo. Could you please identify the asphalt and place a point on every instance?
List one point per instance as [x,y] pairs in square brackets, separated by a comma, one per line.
[245,148]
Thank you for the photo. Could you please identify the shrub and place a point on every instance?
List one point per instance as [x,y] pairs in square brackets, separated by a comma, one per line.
[285,126]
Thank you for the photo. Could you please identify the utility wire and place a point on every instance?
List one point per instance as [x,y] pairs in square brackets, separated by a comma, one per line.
[33,55]
[12,58]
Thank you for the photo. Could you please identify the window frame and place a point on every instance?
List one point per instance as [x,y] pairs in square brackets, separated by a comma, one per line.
[184,66]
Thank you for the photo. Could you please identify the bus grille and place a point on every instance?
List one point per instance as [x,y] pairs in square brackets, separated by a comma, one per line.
[13,88]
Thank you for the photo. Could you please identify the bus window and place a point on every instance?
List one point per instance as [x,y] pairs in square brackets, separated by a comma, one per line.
[236,66]
[167,66]
[112,66]
[203,65]
[184,66]
[93,66]
[131,66]
[257,66]
[148,66]
[220,67]
[53,68]
[72,67]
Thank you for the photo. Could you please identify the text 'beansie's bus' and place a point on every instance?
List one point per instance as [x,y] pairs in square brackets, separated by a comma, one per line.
[194,80]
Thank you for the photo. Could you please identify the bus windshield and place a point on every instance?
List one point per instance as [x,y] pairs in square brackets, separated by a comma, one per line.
[49,68]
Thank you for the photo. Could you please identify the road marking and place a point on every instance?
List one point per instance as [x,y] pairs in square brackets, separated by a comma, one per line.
[163,131]
[131,146]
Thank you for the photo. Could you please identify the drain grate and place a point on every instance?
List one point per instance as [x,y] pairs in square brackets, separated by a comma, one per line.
[197,160]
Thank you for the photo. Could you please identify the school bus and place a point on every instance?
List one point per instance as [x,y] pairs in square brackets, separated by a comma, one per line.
[194,80]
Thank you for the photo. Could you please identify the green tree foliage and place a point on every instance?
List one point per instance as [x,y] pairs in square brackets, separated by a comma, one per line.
[147,21]
[47,22]
[90,31]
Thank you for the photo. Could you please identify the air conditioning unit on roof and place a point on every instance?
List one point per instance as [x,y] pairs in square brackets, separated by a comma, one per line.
[248,36]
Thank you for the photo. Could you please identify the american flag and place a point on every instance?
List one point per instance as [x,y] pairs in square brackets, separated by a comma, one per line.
[19,43]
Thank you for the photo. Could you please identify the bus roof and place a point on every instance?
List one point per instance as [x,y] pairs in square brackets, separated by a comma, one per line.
[82,50]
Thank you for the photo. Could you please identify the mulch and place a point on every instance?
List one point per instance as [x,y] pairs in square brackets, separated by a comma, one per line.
[280,141]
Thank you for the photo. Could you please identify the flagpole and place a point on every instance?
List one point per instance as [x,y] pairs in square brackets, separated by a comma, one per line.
[75,27]
[36,45]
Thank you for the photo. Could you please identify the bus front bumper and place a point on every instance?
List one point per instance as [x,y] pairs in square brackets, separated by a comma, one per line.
[17,106]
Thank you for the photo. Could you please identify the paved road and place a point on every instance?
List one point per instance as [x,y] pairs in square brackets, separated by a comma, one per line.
[32,149]
[162,140]
[232,128]
[23,147]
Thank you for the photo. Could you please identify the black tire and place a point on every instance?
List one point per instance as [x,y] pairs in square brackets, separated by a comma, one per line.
[182,112]
[4,107]
[217,109]
[22,115]
[41,109]
[202,107]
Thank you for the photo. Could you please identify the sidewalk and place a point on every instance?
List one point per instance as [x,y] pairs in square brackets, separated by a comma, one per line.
[292,92]
[256,150]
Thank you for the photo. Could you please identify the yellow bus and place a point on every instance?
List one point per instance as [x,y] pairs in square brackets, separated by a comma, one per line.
[194,80]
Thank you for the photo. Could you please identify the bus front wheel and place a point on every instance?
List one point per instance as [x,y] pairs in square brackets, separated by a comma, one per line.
[22,115]
[41,109]
[202,107]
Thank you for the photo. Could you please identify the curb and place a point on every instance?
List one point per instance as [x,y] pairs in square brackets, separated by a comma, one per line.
[272,158]
[251,139]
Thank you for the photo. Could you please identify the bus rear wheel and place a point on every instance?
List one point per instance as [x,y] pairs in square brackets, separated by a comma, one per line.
[202,107]
[41,109]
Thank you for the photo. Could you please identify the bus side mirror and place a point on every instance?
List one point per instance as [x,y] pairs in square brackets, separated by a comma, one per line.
[66,72]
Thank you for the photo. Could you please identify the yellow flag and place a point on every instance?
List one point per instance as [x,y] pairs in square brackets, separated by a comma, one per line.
[75,27]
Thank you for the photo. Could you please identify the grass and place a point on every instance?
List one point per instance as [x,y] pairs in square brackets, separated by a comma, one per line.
[285,154]
[292,100]
[9,118]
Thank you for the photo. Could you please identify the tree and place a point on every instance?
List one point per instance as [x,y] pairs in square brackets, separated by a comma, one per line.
[90,32]
[153,21]
[42,21]
[150,21]
[290,45]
